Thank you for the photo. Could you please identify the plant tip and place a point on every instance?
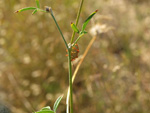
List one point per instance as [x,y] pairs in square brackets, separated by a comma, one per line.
[16,11]
[48,9]
[96,10]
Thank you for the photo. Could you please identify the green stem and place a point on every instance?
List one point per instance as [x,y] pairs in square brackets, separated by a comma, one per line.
[77,20]
[59,30]
[77,39]
[41,10]
[48,9]
[70,80]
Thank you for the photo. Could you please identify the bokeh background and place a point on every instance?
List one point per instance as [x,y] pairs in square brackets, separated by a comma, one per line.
[115,75]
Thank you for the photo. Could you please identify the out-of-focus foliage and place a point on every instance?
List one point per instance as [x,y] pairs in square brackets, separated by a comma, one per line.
[48,108]
[115,75]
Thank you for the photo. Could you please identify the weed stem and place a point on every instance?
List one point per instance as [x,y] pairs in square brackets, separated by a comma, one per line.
[77,20]
[78,39]
[69,60]
[59,29]
[70,80]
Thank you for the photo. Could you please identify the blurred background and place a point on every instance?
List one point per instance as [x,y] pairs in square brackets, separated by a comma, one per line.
[115,75]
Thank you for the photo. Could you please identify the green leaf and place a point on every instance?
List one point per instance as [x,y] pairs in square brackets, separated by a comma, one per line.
[57,103]
[87,20]
[34,11]
[45,111]
[25,9]
[74,27]
[37,3]
[46,108]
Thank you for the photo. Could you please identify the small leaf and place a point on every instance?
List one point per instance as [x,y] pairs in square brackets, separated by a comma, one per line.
[57,103]
[37,3]
[45,111]
[25,9]
[74,27]
[88,19]
[34,11]
[46,108]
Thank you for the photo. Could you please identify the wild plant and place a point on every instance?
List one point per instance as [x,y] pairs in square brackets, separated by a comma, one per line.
[72,50]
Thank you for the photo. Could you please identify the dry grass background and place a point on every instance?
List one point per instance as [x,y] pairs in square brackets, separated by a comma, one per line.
[115,77]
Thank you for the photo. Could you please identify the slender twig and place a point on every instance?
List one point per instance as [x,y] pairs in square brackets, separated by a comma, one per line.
[77,68]
[70,81]
[85,53]
[48,9]
[77,20]
[69,47]
[78,39]
[69,61]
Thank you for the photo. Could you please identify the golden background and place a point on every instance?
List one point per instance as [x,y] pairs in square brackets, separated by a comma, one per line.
[115,75]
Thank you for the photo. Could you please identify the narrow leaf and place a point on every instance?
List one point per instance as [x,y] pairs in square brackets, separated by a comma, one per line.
[45,111]
[46,108]
[34,11]
[57,103]
[88,19]
[25,9]
[74,27]
[37,3]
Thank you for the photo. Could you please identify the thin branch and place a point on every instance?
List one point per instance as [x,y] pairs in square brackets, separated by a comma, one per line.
[77,20]
[76,70]
[49,9]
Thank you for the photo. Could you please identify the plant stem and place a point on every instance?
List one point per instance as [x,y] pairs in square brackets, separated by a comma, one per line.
[69,60]
[83,56]
[77,68]
[78,39]
[59,30]
[70,80]
[70,67]
[77,20]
